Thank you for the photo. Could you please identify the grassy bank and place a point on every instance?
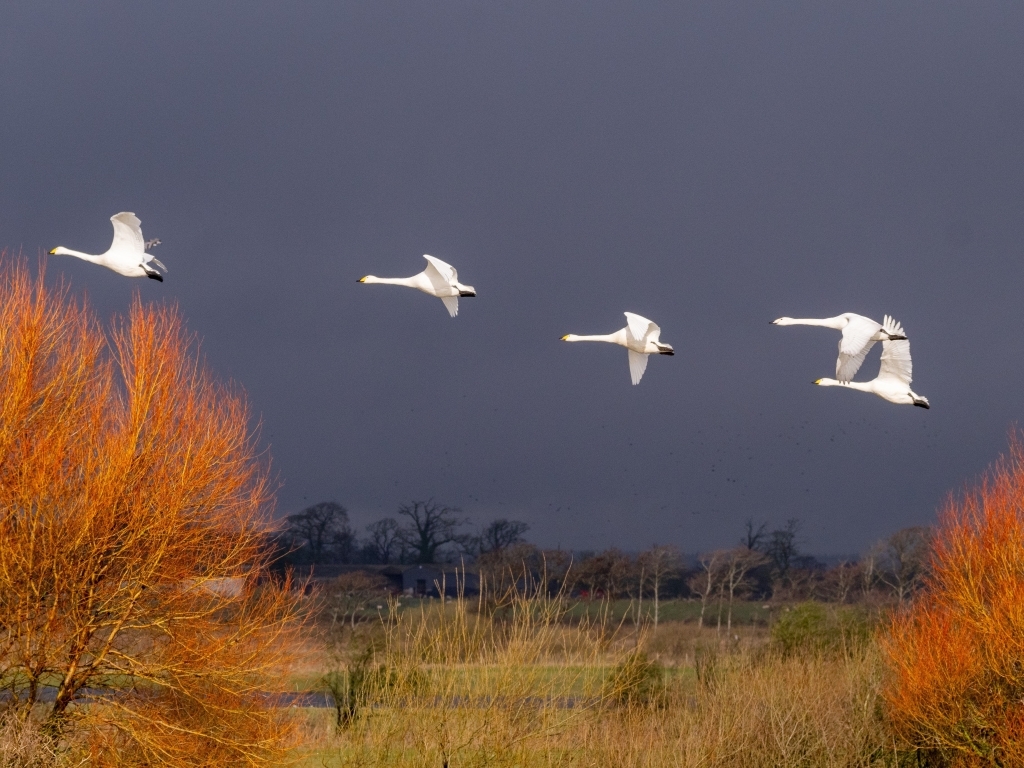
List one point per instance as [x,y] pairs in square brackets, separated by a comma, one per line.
[546,682]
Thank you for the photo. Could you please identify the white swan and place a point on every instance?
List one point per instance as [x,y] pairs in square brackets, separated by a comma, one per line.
[127,254]
[639,337]
[438,279]
[859,335]
[894,375]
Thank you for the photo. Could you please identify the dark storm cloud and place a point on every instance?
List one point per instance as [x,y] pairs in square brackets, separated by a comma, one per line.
[711,166]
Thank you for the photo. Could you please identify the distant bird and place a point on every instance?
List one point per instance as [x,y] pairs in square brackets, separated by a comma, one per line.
[127,254]
[438,279]
[639,337]
[859,336]
[894,374]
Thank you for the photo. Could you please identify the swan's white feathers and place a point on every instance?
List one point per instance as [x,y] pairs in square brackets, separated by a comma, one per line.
[451,303]
[896,362]
[637,365]
[440,274]
[640,327]
[854,346]
[892,327]
[127,232]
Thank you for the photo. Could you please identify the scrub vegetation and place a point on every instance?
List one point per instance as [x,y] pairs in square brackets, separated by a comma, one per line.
[136,623]
[454,685]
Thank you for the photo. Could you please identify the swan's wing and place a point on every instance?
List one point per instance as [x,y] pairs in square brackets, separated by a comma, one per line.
[896,361]
[440,274]
[637,365]
[639,327]
[127,233]
[452,304]
[854,346]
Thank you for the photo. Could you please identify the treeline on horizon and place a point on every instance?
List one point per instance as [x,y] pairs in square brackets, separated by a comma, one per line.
[764,564]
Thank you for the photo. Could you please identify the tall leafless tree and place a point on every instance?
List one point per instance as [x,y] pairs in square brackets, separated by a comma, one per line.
[384,540]
[655,565]
[430,527]
[904,559]
[736,565]
[502,533]
[321,531]
[753,536]
[705,582]
[782,549]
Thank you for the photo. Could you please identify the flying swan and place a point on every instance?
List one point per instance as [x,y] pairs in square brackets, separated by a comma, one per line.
[894,375]
[438,279]
[859,336]
[639,337]
[127,254]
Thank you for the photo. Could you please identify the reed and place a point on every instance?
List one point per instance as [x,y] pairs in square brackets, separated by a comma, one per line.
[452,685]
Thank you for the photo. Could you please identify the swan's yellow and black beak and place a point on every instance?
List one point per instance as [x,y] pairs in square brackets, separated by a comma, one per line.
[817,381]
[53,250]
[361,280]
[565,338]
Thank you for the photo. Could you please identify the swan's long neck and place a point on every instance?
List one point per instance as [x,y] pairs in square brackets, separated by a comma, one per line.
[62,251]
[609,337]
[409,282]
[829,322]
[863,386]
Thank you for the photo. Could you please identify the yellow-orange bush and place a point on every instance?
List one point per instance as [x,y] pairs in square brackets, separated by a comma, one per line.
[956,656]
[134,508]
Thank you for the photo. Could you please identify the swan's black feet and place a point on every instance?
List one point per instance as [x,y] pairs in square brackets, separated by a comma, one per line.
[155,276]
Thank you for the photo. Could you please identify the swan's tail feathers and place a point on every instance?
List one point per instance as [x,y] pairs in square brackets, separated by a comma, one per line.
[637,366]
[893,329]
[158,263]
[452,304]
[665,349]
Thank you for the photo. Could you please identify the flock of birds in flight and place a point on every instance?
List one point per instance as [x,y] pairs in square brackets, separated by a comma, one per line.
[129,255]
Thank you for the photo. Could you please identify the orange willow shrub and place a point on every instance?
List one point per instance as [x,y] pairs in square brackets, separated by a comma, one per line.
[134,508]
[956,656]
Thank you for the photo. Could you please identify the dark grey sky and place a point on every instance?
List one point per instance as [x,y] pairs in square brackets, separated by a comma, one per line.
[710,165]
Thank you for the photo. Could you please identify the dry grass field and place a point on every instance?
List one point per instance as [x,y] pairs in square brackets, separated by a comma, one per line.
[521,685]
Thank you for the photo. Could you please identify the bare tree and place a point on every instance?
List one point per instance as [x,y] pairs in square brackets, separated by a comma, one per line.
[782,549]
[320,531]
[607,572]
[839,581]
[868,572]
[385,541]
[430,527]
[655,564]
[705,582]
[737,564]
[753,537]
[502,533]
[904,559]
